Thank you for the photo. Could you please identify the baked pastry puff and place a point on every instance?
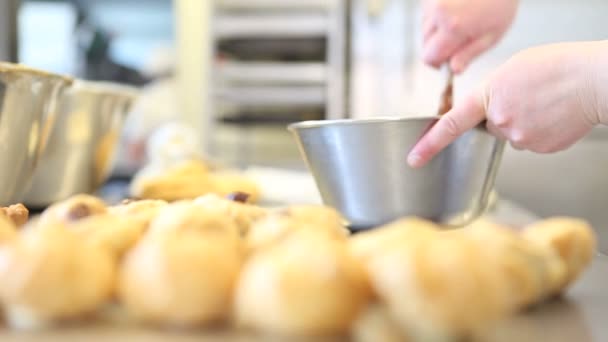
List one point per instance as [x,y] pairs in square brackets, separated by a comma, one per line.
[182,272]
[306,285]
[243,214]
[184,180]
[282,222]
[8,230]
[573,240]
[115,233]
[529,272]
[74,208]
[17,213]
[49,275]
[228,182]
[438,288]
[184,216]
[366,244]
[143,211]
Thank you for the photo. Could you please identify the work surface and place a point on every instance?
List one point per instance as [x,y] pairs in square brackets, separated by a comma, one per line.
[580,316]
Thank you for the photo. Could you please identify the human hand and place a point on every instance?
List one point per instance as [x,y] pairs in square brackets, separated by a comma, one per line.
[543,99]
[460,30]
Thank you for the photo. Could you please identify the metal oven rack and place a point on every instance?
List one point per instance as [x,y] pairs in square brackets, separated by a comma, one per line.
[275,62]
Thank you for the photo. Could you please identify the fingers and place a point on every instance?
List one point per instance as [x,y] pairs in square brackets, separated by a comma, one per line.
[463,57]
[428,32]
[428,27]
[495,131]
[464,116]
[441,45]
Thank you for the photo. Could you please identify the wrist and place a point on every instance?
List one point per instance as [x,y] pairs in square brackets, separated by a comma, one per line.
[597,81]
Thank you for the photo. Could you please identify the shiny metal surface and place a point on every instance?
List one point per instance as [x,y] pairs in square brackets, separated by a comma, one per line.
[80,152]
[27,103]
[360,169]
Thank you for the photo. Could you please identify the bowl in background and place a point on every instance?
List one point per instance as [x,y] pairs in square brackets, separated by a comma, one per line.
[360,169]
[80,151]
[27,105]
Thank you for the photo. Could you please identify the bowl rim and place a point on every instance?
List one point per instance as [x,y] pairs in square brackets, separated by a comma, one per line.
[105,88]
[309,124]
[6,67]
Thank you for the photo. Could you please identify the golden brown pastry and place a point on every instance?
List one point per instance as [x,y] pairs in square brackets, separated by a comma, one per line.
[188,216]
[243,214]
[18,213]
[319,215]
[399,233]
[8,230]
[306,285]
[74,208]
[186,180]
[454,284]
[115,233]
[282,222]
[179,277]
[572,239]
[529,272]
[50,275]
[228,182]
[438,288]
[142,210]
[376,324]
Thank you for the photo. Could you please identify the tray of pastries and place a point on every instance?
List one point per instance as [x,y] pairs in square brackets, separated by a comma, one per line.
[221,265]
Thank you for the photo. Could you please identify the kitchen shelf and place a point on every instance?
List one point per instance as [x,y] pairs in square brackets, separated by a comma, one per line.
[298,24]
[273,95]
[264,73]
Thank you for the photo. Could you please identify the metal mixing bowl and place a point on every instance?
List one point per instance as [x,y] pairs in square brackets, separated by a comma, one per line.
[360,169]
[27,105]
[80,151]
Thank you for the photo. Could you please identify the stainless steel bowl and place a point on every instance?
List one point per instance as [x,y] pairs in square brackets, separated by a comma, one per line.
[80,151]
[360,169]
[27,105]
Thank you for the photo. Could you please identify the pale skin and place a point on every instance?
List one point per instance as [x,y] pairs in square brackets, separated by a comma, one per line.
[543,99]
[458,31]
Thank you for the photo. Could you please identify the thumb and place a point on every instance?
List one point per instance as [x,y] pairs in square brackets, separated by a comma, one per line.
[464,116]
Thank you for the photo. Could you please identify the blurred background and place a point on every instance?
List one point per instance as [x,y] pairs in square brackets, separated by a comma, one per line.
[238,71]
